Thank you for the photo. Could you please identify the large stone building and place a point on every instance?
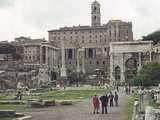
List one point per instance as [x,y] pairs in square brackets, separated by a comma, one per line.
[38,52]
[87,47]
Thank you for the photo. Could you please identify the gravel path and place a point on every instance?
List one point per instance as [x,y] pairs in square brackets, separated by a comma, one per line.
[80,111]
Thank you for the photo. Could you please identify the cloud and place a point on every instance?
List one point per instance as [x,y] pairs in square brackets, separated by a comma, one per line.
[35,17]
[6,3]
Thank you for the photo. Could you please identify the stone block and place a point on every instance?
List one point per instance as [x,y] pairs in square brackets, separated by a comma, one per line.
[66,103]
[7,113]
[25,118]
[49,103]
[11,102]
[17,115]
[35,104]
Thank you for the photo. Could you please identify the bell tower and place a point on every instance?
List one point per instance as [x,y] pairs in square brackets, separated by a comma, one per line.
[95,14]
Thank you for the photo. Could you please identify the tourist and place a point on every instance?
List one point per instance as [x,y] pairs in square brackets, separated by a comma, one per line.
[152,94]
[141,99]
[126,90]
[95,104]
[111,97]
[117,88]
[129,89]
[104,102]
[19,95]
[116,99]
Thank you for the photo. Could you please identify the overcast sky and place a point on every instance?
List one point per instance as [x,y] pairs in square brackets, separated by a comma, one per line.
[35,17]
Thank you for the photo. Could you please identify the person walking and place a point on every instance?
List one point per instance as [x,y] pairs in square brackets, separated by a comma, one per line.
[117,87]
[104,102]
[129,89]
[111,97]
[95,104]
[116,99]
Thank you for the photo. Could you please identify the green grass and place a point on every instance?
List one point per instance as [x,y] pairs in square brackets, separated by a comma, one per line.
[59,95]
[6,118]
[128,111]
[54,95]
[62,95]
[14,107]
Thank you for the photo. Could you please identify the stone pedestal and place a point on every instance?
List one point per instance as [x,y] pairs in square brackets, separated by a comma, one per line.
[63,68]
[63,72]
[43,75]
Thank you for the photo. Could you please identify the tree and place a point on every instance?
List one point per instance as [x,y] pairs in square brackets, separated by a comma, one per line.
[155,37]
[149,75]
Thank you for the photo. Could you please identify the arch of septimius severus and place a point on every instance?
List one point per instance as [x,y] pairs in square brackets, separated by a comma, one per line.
[126,58]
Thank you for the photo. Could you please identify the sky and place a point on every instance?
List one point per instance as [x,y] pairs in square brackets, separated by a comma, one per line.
[33,18]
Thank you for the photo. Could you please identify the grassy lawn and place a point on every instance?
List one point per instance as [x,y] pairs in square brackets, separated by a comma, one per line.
[14,107]
[59,95]
[6,118]
[54,95]
[129,107]
[66,95]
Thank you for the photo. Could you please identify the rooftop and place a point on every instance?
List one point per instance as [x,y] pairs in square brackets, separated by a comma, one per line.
[86,27]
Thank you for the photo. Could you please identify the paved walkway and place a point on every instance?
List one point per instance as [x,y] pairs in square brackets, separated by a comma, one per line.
[80,111]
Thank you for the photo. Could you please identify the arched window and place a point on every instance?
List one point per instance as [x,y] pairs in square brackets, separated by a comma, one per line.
[95,8]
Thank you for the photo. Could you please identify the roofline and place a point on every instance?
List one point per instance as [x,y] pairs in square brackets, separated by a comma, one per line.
[130,42]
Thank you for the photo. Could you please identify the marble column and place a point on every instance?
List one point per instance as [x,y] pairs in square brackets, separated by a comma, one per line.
[111,68]
[122,68]
[46,55]
[150,56]
[78,64]
[63,68]
[83,59]
[40,55]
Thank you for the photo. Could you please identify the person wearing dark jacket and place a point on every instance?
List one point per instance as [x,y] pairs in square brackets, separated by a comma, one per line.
[104,102]
[116,99]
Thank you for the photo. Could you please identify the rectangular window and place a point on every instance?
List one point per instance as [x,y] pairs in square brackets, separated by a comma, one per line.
[109,33]
[70,54]
[90,53]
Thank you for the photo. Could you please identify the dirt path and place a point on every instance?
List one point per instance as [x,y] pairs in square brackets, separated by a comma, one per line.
[80,111]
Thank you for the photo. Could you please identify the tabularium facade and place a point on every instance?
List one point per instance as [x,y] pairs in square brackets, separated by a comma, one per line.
[94,40]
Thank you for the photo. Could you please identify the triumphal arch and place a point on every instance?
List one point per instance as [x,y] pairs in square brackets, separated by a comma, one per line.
[126,58]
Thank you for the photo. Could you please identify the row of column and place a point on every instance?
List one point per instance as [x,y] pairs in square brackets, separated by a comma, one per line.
[80,56]
[47,56]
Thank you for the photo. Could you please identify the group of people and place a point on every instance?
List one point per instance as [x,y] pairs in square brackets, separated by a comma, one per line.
[104,100]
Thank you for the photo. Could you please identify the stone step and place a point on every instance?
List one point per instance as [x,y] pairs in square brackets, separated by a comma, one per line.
[25,118]
[17,115]
[7,113]
[11,102]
